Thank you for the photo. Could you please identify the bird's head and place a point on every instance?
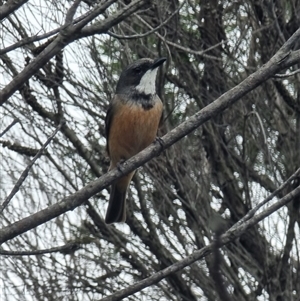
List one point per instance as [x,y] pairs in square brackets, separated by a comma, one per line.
[140,76]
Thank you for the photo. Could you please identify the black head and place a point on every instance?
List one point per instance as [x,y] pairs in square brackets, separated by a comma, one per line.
[139,76]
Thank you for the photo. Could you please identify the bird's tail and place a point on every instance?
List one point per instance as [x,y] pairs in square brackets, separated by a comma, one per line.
[116,211]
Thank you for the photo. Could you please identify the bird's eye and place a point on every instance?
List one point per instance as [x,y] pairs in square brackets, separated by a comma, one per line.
[137,70]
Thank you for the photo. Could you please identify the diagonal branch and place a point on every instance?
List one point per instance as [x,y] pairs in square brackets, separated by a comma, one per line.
[71,12]
[142,35]
[9,7]
[38,37]
[94,13]
[27,169]
[110,21]
[15,121]
[226,238]
[68,34]
[252,212]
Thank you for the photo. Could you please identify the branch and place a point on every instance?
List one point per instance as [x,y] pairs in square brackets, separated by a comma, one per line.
[110,21]
[68,34]
[29,40]
[71,12]
[281,60]
[66,249]
[185,49]
[216,266]
[18,148]
[142,35]
[27,169]
[288,74]
[9,7]
[269,198]
[95,13]
[37,37]
[226,238]
[15,121]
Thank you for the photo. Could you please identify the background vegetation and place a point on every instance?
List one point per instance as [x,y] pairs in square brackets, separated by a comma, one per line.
[60,60]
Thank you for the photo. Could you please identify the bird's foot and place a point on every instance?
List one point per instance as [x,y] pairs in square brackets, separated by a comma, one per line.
[160,141]
[119,165]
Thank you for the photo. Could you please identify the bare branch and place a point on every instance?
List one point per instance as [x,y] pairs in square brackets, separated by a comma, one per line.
[27,169]
[29,40]
[66,36]
[15,121]
[9,7]
[252,212]
[217,260]
[201,53]
[68,248]
[137,36]
[18,148]
[110,21]
[229,236]
[37,37]
[287,75]
[71,12]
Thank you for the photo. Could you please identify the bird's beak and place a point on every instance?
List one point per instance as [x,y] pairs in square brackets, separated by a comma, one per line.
[158,62]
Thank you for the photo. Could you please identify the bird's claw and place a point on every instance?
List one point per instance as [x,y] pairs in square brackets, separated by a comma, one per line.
[119,165]
[160,141]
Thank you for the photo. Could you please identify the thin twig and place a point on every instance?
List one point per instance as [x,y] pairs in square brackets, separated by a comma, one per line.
[15,121]
[36,37]
[27,169]
[186,49]
[67,35]
[66,249]
[252,212]
[93,13]
[287,75]
[138,36]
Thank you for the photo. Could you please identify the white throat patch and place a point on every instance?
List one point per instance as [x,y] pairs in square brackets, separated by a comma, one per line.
[147,83]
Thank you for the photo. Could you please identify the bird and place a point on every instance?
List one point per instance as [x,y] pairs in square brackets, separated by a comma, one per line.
[131,124]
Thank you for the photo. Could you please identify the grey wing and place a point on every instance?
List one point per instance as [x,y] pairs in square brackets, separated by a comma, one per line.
[108,120]
[113,107]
